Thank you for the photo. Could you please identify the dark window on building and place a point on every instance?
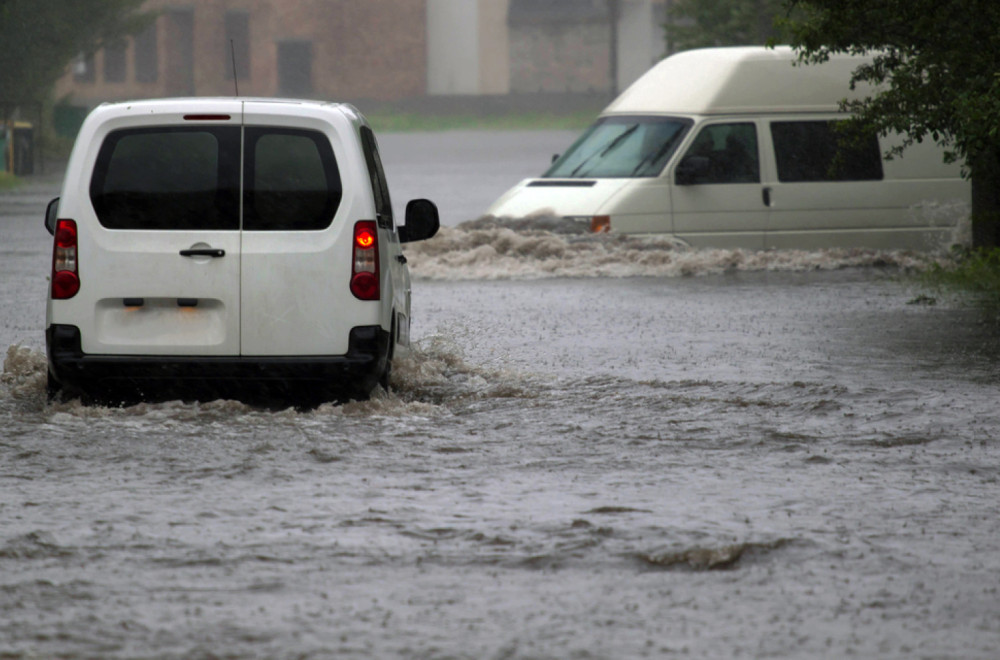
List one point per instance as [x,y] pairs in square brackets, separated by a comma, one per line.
[115,55]
[84,69]
[295,68]
[168,178]
[813,151]
[291,181]
[380,188]
[237,44]
[730,152]
[146,55]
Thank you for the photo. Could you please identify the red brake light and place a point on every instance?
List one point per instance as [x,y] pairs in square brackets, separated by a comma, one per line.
[364,238]
[365,267]
[65,271]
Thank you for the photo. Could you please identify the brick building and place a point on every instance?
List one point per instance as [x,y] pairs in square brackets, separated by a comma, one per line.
[336,49]
[375,50]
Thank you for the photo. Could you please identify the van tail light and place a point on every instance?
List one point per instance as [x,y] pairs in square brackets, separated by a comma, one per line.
[600,224]
[364,271]
[65,271]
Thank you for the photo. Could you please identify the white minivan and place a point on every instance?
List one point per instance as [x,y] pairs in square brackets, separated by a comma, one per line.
[211,247]
[738,147]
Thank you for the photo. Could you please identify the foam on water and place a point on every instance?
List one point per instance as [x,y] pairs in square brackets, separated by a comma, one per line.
[427,378]
[534,248]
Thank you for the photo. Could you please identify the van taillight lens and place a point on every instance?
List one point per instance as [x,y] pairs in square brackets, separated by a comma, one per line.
[364,271]
[65,272]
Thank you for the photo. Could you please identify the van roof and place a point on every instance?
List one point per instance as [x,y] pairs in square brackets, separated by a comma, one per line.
[172,108]
[736,80]
[172,100]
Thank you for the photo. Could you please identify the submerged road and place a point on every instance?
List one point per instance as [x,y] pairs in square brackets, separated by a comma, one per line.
[718,454]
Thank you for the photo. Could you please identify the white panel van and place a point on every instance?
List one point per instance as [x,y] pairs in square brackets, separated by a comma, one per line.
[214,247]
[737,147]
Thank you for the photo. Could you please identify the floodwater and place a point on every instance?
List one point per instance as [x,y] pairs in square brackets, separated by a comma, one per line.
[597,448]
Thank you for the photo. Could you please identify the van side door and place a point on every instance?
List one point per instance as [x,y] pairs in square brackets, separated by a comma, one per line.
[830,193]
[717,197]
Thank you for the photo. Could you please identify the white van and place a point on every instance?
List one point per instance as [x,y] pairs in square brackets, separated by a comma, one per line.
[736,147]
[212,247]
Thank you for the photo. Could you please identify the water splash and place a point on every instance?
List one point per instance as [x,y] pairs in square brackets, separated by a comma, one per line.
[501,249]
[427,380]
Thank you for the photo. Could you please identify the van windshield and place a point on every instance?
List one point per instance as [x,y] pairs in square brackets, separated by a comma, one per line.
[621,147]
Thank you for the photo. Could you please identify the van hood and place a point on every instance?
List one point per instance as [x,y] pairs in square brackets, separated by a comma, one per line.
[557,197]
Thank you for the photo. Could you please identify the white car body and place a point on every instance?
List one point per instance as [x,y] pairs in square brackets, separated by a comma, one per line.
[775,108]
[215,245]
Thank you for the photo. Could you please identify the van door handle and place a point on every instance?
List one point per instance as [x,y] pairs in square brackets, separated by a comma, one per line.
[767,196]
[400,258]
[203,252]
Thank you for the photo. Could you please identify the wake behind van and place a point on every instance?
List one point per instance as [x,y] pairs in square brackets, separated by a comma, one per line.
[738,147]
[212,247]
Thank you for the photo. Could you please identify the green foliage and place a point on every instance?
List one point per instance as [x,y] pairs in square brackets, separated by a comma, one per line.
[8,181]
[937,63]
[975,272]
[38,38]
[936,69]
[702,23]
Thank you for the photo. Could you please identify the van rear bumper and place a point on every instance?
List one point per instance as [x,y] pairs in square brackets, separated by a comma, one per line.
[291,380]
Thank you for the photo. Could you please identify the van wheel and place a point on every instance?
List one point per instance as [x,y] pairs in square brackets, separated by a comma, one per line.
[386,374]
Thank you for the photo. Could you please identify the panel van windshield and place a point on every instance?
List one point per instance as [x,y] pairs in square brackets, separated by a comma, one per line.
[621,147]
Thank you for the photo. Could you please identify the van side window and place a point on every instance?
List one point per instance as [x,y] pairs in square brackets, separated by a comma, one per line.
[168,178]
[291,181]
[808,151]
[731,153]
[380,189]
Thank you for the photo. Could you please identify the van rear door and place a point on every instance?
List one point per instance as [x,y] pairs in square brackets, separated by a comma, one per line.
[160,240]
[296,243]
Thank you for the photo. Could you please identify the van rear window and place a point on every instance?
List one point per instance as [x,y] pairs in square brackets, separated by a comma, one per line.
[292,182]
[812,151]
[168,178]
[188,178]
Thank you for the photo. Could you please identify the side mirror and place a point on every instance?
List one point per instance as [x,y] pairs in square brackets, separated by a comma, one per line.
[51,214]
[555,157]
[421,221]
[691,169]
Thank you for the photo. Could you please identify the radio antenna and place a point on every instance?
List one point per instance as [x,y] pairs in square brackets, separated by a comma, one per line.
[232,53]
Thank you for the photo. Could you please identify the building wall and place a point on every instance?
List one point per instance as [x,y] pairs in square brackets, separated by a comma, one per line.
[565,45]
[467,47]
[560,57]
[494,47]
[638,48]
[453,47]
[353,50]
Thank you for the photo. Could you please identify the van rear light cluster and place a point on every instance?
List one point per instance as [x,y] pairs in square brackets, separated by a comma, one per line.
[65,273]
[364,271]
